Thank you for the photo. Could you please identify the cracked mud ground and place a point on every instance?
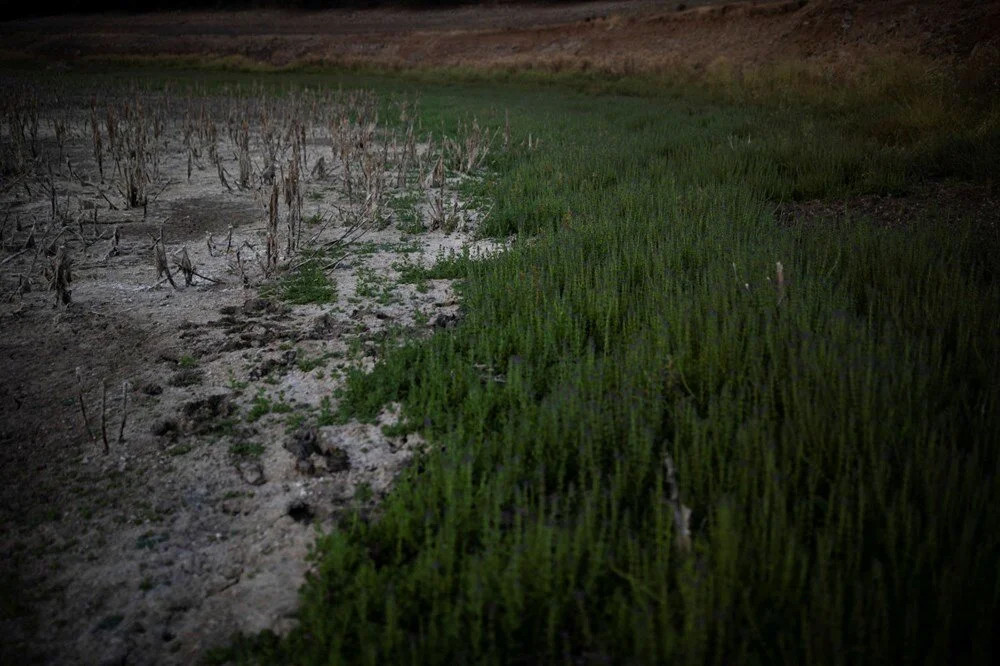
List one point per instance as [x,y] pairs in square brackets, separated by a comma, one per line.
[196,523]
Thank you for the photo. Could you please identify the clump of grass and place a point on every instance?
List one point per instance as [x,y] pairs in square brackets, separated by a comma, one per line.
[408,219]
[187,361]
[263,405]
[306,284]
[246,449]
[308,364]
[326,414]
[447,266]
[372,286]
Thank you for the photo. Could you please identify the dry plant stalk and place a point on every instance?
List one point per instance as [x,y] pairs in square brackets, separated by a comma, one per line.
[186,267]
[781,282]
[104,416]
[682,514]
[59,129]
[222,174]
[121,428]
[83,407]
[272,231]
[115,240]
[435,199]
[243,154]
[133,152]
[52,192]
[319,169]
[437,175]
[60,276]
[242,271]
[160,256]
[409,153]
[293,201]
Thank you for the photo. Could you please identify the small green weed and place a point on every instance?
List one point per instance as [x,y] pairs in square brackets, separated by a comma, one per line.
[246,449]
[109,622]
[407,213]
[307,364]
[261,406]
[151,540]
[306,284]
[326,414]
[375,287]
[179,449]
[446,266]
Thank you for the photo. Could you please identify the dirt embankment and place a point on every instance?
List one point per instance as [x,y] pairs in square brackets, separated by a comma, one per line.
[640,35]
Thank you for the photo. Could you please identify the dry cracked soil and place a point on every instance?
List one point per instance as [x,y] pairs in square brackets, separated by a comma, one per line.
[150,520]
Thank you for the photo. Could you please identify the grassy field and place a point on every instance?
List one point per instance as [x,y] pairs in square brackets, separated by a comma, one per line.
[825,394]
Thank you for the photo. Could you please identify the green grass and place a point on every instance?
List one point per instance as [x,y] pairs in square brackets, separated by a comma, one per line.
[326,414]
[263,405]
[247,449]
[835,438]
[306,284]
[187,361]
[407,214]
[450,266]
[306,364]
[374,287]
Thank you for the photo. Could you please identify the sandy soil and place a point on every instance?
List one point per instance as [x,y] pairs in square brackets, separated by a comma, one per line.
[197,521]
[613,36]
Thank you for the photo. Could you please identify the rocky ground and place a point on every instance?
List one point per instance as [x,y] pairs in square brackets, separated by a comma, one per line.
[185,513]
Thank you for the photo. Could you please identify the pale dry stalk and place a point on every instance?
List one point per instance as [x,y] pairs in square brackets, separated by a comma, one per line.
[682,514]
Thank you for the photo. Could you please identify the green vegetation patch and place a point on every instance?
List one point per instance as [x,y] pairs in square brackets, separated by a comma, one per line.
[247,449]
[263,405]
[449,266]
[305,284]
[826,394]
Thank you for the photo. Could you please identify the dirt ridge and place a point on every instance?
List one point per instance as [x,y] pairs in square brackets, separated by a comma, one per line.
[617,37]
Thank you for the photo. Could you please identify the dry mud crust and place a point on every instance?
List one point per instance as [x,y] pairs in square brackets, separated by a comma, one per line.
[193,522]
[620,37]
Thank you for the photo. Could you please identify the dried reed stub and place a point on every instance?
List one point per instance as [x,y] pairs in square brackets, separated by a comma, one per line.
[319,169]
[293,201]
[270,157]
[780,281]
[83,406]
[239,136]
[468,152]
[104,416]
[60,276]
[160,257]
[272,232]
[121,427]
[95,136]
[113,251]
[184,265]
[133,150]
[682,514]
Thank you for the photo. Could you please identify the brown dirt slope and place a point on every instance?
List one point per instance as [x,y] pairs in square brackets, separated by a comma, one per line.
[612,36]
